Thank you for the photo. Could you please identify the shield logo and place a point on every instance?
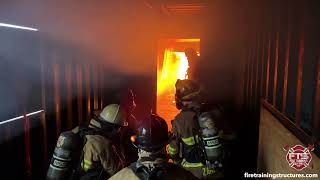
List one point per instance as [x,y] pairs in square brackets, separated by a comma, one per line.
[298,156]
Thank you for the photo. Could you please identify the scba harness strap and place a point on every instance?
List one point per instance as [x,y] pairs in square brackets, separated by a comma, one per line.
[194,147]
[192,152]
[145,174]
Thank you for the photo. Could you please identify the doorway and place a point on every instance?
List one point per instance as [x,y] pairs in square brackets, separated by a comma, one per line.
[172,64]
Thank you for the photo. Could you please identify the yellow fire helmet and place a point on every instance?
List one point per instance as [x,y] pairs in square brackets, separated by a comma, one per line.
[114,114]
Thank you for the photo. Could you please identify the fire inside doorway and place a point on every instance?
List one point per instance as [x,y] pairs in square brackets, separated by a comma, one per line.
[172,65]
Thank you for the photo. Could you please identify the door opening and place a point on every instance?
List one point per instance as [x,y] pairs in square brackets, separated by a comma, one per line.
[172,64]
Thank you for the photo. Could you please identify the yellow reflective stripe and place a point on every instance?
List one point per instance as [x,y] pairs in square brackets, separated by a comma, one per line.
[87,162]
[207,171]
[171,150]
[186,164]
[189,140]
[86,165]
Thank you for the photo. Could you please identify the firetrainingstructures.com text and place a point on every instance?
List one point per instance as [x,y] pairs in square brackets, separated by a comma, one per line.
[279,175]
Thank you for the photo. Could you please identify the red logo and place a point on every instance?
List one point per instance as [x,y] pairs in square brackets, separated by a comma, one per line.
[298,156]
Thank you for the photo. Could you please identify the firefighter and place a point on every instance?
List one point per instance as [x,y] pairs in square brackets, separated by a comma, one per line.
[193,61]
[128,103]
[151,140]
[185,149]
[100,158]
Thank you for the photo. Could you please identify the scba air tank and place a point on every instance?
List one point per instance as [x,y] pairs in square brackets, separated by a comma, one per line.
[65,156]
[210,137]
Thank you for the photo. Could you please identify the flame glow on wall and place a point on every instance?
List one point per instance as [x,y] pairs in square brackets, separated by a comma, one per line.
[175,66]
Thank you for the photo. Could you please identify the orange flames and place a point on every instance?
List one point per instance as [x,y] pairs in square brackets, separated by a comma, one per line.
[172,65]
[175,66]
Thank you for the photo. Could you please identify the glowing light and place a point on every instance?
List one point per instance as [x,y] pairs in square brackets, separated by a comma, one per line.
[183,65]
[175,66]
[188,40]
[17,27]
[20,117]
[133,138]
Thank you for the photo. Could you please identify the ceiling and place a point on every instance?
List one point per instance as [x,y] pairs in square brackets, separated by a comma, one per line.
[176,7]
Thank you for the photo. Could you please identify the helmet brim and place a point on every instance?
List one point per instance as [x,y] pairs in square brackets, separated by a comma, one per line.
[153,147]
[124,123]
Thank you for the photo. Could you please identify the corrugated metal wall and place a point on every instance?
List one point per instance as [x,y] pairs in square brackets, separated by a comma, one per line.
[65,80]
[282,65]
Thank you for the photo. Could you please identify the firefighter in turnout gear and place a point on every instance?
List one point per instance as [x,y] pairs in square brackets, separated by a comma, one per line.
[151,139]
[194,62]
[101,158]
[188,149]
[128,103]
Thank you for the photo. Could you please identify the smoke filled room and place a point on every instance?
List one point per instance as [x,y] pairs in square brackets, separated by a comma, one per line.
[159,89]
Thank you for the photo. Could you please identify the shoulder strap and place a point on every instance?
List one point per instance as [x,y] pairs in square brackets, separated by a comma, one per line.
[83,131]
[195,130]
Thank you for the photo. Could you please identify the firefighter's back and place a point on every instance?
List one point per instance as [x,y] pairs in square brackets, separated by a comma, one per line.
[185,124]
[173,172]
